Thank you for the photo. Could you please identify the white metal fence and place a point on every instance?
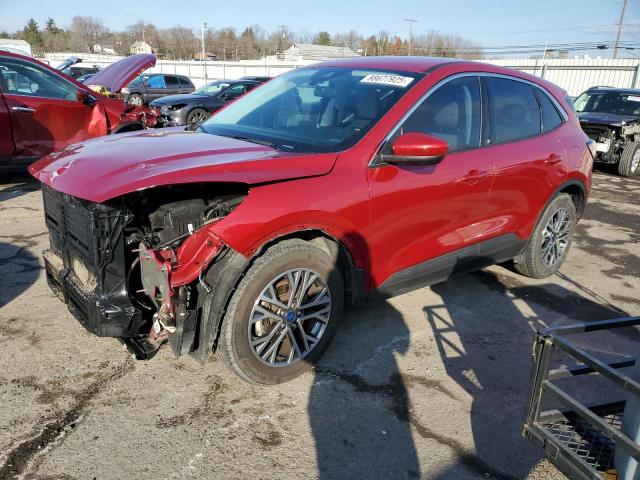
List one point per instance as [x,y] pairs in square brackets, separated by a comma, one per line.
[574,75]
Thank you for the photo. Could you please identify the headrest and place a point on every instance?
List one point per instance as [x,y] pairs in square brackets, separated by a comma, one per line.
[368,104]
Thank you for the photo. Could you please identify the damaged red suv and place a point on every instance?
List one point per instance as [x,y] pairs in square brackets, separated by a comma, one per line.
[329,185]
[43,110]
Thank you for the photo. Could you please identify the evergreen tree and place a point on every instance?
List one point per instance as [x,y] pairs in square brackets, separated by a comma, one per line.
[31,34]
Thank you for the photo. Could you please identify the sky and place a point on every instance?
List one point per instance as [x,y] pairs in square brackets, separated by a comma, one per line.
[490,23]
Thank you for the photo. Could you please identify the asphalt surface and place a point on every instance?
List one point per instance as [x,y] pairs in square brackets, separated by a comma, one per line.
[431,384]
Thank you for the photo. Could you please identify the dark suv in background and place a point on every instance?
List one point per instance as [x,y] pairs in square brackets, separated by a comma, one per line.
[611,117]
[197,106]
[147,88]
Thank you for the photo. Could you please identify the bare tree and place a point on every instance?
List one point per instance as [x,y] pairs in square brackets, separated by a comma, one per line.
[87,31]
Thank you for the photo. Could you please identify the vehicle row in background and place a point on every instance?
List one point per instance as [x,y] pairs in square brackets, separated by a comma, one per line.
[611,117]
[196,107]
[151,86]
[43,110]
[76,68]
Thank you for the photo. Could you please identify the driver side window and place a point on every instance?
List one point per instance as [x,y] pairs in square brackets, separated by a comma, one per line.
[451,112]
[24,78]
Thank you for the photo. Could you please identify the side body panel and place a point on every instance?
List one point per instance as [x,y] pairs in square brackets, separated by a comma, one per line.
[7,146]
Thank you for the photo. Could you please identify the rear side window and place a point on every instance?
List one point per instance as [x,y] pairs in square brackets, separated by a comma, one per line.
[184,82]
[452,113]
[550,116]
[513,109]
[172,82]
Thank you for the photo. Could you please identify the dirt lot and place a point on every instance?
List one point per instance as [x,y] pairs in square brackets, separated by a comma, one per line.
[431,384]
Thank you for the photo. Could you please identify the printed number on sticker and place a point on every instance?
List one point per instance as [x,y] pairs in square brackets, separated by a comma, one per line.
[387,79]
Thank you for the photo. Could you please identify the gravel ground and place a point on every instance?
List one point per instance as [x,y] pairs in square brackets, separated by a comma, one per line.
[431,384]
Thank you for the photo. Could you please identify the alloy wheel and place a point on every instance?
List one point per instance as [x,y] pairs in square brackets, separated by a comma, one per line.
[289,317]
[635,161]
[197,117]
[555,237]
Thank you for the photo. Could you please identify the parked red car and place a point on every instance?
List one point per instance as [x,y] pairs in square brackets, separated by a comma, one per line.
[332,183]
[43,110]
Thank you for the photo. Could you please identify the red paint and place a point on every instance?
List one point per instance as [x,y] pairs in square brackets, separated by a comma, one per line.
[389,217]
[415,144]
[51,124]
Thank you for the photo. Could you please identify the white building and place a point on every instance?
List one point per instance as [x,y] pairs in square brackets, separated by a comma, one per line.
[104,49]
[309,52]
[15,46]
[140,47]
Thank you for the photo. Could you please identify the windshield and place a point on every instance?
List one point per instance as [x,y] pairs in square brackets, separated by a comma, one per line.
[608,102]
[211,88]
[139,79]
[313,109]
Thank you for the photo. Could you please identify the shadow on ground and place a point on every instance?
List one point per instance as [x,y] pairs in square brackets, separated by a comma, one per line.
[483,329]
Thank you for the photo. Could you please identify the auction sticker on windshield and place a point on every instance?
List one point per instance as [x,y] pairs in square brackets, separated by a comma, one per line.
[387,79]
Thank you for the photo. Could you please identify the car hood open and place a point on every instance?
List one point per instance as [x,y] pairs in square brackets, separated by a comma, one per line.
[107,167]
[119,74]
[606,118]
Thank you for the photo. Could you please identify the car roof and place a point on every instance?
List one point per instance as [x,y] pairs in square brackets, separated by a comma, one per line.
[614,90]
[406,64]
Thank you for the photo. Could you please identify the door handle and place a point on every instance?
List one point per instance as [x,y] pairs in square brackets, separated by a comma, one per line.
[23,109]
[474,176]
[553,159]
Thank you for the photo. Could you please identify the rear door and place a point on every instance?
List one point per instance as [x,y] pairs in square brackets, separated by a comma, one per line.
[173,85]
[45,113]
[529,160]
[185,85]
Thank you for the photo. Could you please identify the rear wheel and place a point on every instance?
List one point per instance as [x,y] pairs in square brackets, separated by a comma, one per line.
[549,243]
[135,99]
[629,160]
[197,115]
[283,314]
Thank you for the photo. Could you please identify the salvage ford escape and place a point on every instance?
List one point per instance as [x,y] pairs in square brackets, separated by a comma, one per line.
[330,184]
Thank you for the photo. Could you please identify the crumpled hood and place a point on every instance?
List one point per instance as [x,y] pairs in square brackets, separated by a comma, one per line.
[107,167]
[606,118]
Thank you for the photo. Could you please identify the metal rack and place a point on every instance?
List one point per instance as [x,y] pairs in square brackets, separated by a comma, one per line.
[580,440]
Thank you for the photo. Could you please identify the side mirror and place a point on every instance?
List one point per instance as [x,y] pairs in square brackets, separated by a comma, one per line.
[416,148]
[84,97]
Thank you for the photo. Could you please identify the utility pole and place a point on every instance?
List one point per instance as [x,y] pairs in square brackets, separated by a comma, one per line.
[410,21]
[280,45]
[203,55]
[615,50]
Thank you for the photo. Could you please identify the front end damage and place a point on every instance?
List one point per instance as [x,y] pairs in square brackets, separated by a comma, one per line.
[611,138]
[140,269]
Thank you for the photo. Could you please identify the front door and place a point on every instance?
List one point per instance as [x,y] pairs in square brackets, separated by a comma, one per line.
[421,212]
[45,112]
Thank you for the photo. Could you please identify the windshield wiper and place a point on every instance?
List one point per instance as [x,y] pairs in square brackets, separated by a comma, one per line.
[253,140]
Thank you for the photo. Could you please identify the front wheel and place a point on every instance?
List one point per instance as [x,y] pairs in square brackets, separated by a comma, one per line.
[549,243]
[197,115]
[135,100]
[283,314]
[629,160]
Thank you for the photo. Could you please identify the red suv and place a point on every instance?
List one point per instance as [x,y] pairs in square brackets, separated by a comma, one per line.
[330,184]
[42,109]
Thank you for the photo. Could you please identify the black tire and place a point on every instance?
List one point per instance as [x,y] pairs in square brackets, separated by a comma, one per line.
[530,262]
[197,115]
[234,345]
[627,167]
[135,99]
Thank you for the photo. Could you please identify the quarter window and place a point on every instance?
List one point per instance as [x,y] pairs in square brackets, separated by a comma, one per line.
[24,78]
[550,116]
[451,112]
[513,109]
[172,82]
